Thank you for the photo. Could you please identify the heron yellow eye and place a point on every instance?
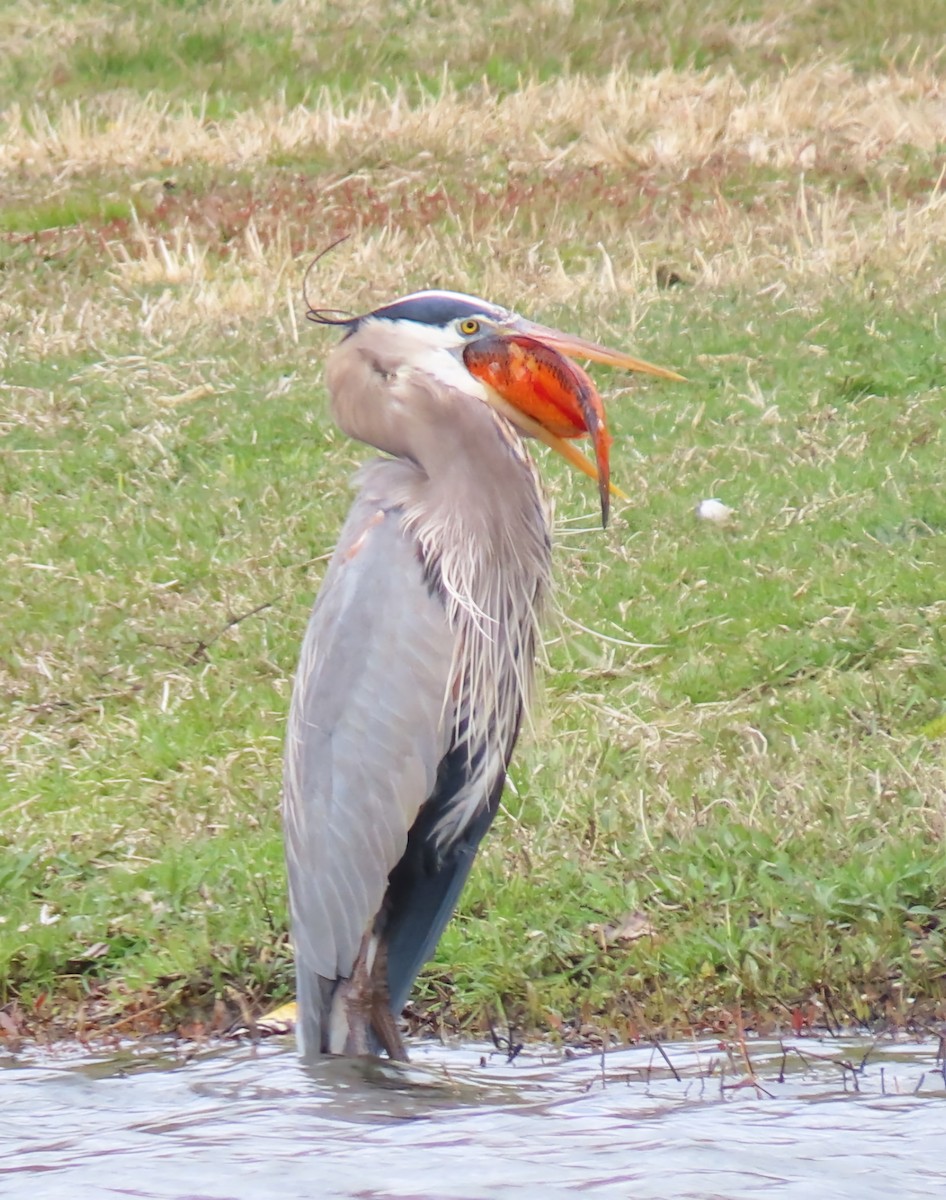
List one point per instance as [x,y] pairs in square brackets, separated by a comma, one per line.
[469,325]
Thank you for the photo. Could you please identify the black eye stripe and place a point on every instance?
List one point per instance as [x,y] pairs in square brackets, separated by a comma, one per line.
[438,308]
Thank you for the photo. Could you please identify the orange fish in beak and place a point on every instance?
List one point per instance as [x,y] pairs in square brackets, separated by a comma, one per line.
[549,397]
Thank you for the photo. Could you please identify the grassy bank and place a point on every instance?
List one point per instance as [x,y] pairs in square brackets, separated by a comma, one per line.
[733,792]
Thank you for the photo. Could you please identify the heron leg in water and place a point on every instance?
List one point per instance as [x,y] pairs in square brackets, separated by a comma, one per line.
[361,1006]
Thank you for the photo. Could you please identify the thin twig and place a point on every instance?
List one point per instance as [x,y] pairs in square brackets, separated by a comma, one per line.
[663,1054]
[204,644]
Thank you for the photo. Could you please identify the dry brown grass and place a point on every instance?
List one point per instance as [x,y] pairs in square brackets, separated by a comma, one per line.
[683,139]
[812,116]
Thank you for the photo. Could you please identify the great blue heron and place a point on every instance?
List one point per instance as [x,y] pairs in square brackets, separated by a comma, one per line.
[418,657]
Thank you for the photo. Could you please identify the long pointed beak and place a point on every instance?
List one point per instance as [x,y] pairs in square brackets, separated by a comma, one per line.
[548,397]
[577,347]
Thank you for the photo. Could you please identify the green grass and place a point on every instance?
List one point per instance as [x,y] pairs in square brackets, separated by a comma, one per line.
[241,53]
[750,759]
[74,211]
[148,765]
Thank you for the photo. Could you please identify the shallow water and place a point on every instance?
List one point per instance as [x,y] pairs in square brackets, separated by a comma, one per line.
[249,1123]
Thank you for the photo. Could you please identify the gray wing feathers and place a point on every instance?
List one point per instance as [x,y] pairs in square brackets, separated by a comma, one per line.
[370,721]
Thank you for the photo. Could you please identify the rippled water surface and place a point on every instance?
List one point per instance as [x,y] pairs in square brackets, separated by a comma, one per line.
[246,1123]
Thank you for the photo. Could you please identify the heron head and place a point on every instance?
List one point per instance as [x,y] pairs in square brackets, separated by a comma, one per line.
[524,370]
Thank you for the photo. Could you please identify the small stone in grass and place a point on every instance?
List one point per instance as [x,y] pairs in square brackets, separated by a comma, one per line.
[714,510]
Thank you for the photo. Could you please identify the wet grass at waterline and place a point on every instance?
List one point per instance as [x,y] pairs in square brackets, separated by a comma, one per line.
[732,795]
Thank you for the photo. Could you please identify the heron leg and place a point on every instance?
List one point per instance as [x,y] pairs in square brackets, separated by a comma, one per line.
[383,1017]
[361,1018]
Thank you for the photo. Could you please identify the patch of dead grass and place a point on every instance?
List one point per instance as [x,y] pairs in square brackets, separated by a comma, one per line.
[176,283]
[814,113]
[653,158]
